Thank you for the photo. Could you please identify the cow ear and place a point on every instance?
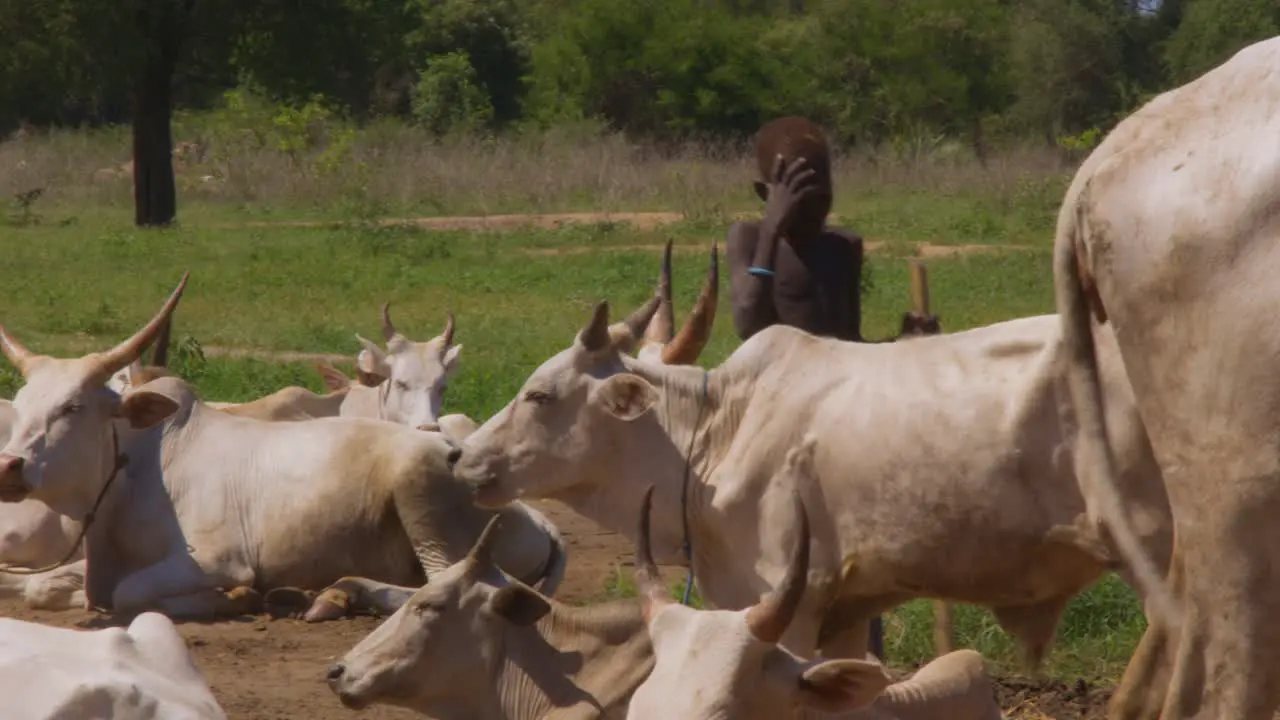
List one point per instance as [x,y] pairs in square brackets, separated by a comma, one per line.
[334,379]
[841,686]
[626,396]
[450,360]
[519,605]
[371,364]
[145,408]
[762,190]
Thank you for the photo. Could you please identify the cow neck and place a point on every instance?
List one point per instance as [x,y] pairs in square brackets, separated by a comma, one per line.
[573,657]
[694,415]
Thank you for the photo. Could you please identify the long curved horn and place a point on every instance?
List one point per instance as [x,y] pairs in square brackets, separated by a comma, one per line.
[388,330]
[663,325]
[637,321]
[126,352]
[17,353]
[919,288]
[160,350]
[448,329]
[648,582]
[693,337]
[481,552]
[768,619]
[595,336]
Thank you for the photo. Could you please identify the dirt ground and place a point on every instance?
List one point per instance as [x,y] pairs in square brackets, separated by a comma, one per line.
[267,669]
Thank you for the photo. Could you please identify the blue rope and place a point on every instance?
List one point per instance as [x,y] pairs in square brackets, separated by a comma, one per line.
[684,490]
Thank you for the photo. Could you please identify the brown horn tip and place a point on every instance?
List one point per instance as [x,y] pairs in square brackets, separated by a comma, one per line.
[648,582]
[129,350]
[388,330]
[693,337]
[595,336]
[448,328]
[769,619]
[662,326]
[481,551]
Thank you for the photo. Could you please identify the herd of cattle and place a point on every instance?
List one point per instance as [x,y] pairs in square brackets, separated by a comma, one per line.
[808,485]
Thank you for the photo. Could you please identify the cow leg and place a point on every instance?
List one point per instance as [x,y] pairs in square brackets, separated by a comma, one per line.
[1141,692]
[61,589]
[181,589]
[352,596]
[1034,626]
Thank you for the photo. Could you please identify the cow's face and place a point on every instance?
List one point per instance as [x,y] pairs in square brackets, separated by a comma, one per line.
[564,423]
[412,376]
[559,429]
[721,664]
[60,449]
[442,642]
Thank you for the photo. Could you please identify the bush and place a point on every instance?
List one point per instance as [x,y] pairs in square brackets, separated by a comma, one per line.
[449,98]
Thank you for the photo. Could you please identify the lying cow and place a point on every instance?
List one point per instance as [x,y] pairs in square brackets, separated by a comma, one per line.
[143,673]
[943,467]
[728,664]
[212,500]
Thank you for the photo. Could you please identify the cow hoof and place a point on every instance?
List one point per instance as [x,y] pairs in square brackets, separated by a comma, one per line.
[242,600]
[288,601]
[332,604]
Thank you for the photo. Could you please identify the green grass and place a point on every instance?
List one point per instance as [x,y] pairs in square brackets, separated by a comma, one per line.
[83,285]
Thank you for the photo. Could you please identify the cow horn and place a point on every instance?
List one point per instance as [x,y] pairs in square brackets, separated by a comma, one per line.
[17,353]
[388,330]
[919,288]
[448,329]
[662,326]
[653,595]
[480,553]
[595,336]
[126,352]
[693,337]
[637,321]
[768,619]
[160,350]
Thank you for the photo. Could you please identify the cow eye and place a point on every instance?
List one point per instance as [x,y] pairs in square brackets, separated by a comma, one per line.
[537,396]
[402,386]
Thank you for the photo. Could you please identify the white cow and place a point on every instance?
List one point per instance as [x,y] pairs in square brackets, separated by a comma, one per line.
[212,500]
[728,664]
[413,375]
[943,467]
[142,673]
[1170,234]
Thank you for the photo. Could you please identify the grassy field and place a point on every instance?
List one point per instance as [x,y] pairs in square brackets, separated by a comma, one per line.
[82,277]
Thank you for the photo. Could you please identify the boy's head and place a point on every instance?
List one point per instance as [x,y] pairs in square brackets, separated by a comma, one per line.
[795,137]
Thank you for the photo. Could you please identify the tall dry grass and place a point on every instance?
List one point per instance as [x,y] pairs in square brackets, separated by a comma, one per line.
[389,168]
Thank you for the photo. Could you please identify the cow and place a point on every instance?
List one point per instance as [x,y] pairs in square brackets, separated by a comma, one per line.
[1169,236]
[478,644]
[211,500]
[944,468]
[144,672]
[721,664]
[409,378]
[442,654]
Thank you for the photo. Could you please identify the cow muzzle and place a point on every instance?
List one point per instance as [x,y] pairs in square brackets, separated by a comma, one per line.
[12,487]
[337,678]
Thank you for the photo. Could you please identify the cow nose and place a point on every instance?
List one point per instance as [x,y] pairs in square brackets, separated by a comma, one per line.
[10,464]
[335,672]
[454,456]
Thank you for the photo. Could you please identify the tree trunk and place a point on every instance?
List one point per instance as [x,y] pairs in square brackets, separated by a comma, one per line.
[154,195]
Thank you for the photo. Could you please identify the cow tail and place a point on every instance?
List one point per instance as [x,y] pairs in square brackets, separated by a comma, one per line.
[1095,462]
